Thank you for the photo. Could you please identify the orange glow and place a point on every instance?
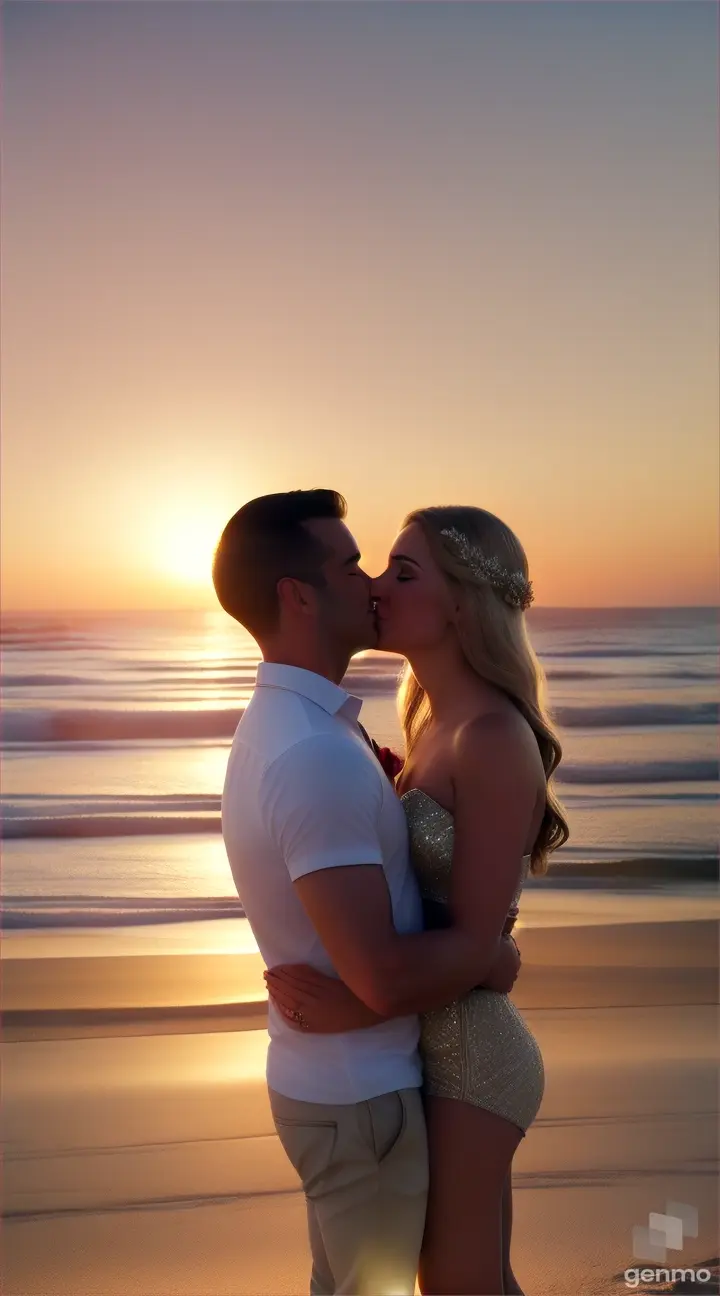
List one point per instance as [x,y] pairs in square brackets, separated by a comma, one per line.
[479,284]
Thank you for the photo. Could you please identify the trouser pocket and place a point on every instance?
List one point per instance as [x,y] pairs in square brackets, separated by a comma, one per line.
[383,1120]
[309,1147]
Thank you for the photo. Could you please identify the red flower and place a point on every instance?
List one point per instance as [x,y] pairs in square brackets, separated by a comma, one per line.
[390,761]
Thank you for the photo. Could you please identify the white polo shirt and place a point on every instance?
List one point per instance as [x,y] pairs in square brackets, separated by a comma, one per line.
[303,791]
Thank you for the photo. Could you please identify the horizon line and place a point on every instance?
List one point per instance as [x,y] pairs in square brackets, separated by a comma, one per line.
[540,607]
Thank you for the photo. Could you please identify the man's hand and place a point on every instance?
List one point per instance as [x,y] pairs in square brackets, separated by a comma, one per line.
[504,971]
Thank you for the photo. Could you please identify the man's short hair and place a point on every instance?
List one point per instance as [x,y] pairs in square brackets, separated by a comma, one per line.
[265,541]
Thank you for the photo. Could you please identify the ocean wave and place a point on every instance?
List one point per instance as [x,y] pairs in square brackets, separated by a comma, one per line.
[202,665]
[28,816]
[196,677]
[21,804]
[47,680]
[42,642]
[88,826]
[113,744]
[44,725]
[371,682]
[37,816]
[656,678]
[691,771]
[30,912]
[617,650]
[638,715]
[107,826]
[674,867]
[149,677]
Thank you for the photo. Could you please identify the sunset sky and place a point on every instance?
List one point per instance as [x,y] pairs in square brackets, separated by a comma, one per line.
[420,253]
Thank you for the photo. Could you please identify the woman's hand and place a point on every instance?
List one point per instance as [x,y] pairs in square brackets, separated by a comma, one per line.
[510,921]
[504,972]
[311,1001]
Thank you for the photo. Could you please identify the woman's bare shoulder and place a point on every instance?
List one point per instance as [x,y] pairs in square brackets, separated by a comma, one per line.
[496,739]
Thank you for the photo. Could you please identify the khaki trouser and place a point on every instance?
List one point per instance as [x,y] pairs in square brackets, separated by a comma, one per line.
[364,1169]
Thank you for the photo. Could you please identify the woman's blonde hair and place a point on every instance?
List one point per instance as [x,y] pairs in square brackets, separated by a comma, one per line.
[471,546]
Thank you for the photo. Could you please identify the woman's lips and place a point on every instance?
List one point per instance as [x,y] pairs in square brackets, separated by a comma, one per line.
[375,611]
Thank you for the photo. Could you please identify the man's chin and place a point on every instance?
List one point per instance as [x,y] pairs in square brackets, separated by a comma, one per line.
[368,638]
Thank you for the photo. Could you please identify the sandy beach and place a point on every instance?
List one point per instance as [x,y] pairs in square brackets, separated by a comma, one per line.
[140,1157]
[351,352]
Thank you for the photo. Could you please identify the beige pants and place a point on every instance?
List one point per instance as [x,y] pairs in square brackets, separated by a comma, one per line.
[364,1169]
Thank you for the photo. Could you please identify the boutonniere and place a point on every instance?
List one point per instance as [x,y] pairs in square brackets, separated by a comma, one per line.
[390,761]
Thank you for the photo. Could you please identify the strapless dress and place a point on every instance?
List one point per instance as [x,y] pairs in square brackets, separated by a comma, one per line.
[477,1049]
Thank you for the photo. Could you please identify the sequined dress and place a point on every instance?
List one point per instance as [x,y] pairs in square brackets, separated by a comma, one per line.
[477,1049]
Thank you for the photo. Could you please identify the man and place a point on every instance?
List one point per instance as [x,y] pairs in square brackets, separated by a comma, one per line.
[317,844]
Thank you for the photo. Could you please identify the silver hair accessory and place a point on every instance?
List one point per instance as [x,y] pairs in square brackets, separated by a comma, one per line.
[512,587]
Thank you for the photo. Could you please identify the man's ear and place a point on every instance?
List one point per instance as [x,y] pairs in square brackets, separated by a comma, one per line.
[292,594]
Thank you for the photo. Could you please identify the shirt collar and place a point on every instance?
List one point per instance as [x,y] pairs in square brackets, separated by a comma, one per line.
[318,688]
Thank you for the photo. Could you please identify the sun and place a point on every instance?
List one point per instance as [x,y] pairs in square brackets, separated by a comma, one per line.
[186,548]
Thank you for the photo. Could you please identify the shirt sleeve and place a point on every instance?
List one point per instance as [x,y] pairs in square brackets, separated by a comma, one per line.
[322,801]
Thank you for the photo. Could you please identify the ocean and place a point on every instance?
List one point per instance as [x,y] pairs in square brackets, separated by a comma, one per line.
[116,730]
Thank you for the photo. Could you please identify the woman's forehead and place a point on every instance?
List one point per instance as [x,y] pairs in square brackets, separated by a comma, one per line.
[411,543]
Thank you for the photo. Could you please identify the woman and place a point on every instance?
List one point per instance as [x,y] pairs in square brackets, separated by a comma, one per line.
[481,814]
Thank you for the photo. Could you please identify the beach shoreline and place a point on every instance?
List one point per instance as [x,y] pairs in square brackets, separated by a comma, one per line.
[141,1160]
[628,964]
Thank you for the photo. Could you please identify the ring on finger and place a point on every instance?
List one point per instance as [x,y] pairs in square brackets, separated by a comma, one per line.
[295,1015]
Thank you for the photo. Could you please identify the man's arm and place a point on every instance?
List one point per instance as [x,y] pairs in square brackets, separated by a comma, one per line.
[392,974]
[324,815]
[323,808]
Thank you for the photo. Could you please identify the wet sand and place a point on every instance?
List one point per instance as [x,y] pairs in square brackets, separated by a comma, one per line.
[140,1157]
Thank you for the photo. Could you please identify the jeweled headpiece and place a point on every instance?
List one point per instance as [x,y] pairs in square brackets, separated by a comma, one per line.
[512,586]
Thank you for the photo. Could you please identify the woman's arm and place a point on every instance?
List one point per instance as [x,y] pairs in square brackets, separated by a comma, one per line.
[312,1001]
[325,1004]
[495,798]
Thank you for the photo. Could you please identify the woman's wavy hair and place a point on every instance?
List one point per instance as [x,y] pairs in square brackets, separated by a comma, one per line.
[494,639]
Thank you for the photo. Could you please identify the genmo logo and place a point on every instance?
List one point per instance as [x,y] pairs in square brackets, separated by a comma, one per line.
[633,1277]
[662,1233]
